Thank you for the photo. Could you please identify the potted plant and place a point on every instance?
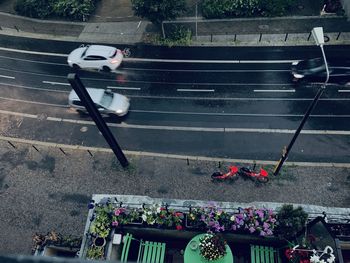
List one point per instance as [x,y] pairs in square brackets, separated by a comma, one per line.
[260,221]
[193,218]
[95,253]
[169,218]
[290,221]
[212,247]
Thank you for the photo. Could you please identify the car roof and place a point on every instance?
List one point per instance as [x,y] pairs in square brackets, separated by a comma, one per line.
[100,50]
[95,94]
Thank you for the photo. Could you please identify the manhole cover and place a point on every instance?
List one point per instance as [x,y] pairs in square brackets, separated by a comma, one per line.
[84,129]
[265,27]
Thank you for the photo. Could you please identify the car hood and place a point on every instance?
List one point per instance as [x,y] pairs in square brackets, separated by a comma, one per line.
[119,102]
[76,54]
[95,94]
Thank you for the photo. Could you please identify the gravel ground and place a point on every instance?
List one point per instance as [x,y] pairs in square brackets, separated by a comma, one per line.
[47,190]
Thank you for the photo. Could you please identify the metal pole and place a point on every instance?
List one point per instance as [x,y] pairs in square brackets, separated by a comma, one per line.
[301,125]
[85,98]
[326,64]
[196,21]
[311,106]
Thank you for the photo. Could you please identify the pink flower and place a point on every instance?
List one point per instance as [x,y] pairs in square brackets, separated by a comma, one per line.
[115,223]
[178,227]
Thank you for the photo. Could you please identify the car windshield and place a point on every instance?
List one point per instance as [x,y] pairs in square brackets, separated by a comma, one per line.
[84,52]
[106,99]
[114,53]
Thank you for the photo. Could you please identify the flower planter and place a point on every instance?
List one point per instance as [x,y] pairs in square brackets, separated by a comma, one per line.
[196,225]
[99,241]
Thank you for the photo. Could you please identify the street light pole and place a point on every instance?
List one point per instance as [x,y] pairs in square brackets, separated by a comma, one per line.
[319,38]
[85,98]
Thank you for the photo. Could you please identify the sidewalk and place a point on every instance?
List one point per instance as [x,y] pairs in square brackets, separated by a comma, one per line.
[46,188]
[288,31]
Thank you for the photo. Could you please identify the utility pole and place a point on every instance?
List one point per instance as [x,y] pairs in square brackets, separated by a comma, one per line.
[85,98]
[317,33]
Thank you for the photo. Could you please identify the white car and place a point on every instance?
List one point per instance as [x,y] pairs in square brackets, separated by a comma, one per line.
[107,102]
[95,57]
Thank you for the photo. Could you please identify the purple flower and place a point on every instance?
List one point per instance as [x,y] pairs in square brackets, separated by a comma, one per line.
[269,232]
[115,223]
[266,225]
[233,227]
[251,229]
[260,213]
[262,233]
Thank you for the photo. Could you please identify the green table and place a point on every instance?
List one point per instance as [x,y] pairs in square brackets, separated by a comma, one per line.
[193,256]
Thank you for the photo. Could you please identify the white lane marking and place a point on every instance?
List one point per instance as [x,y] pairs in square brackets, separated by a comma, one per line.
[190,98]
[35,102]
[123,88]
[35,61]
[240,114]
[344,90]
[164,60]
[56,83]
[33,88]
[195,90]
[139,24]
[208,70]
[211,61]
[178,128]
[274,90]
[7,77]
[235,98]
[33,52]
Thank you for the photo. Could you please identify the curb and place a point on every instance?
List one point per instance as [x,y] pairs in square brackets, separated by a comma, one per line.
[12,140]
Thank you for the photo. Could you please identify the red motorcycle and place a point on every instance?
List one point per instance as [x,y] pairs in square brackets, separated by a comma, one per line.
[231,174]
[261,176]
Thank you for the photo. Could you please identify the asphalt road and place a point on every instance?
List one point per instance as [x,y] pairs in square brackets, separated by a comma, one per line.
[234,103]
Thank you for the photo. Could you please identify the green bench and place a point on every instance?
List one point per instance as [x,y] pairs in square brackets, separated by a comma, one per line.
[264,254]
[149,252]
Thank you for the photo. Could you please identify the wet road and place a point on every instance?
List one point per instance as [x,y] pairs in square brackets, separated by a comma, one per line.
[219,102]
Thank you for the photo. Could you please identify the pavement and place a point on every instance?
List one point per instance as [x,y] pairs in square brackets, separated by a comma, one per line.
[115,24]
[46,187]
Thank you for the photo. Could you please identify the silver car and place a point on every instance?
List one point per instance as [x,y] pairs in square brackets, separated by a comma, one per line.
[95,57]
[106,101]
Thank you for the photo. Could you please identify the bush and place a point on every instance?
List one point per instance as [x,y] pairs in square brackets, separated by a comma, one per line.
[72,9]
[229,8]
[157,11]
[178,35]
[247,8]
[34,8]
[290,221]
[276,7]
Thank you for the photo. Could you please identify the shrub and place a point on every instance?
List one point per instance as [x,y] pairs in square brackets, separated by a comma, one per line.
[157,11]
[275,7]
[34,8]
[246,8]
[177,35]
[290,221]
[74,9]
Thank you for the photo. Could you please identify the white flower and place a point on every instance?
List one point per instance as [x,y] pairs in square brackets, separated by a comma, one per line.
[314,259]
[144,217]
[158,210]
[232,218]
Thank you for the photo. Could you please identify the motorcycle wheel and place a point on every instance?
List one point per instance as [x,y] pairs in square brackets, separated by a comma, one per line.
[263,179]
